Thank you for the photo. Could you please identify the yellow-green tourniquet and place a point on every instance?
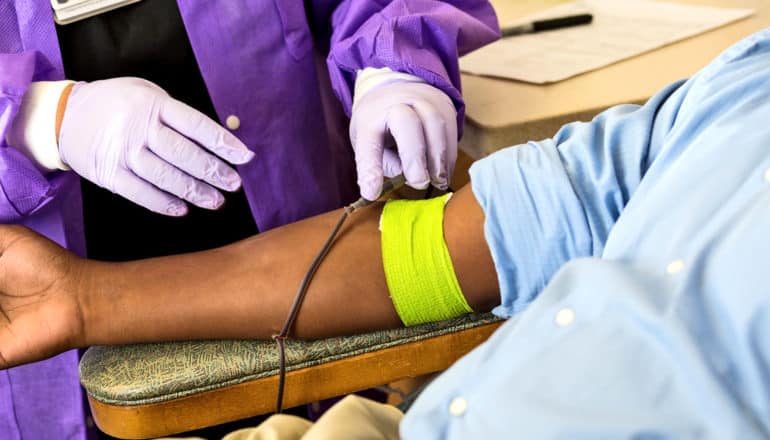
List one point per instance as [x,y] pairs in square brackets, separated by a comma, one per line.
[418,269]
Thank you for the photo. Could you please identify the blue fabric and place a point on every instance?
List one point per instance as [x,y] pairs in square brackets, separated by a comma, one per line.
[650,226]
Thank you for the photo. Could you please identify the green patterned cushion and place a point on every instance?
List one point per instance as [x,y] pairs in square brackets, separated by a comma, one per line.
[149,373]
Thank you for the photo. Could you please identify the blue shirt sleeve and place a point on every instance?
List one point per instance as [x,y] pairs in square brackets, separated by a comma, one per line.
[550,201]
[660,330]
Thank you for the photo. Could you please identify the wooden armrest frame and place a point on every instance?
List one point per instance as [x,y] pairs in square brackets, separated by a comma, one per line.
[302,386]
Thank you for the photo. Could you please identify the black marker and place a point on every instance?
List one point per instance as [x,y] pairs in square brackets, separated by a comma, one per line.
[547,25]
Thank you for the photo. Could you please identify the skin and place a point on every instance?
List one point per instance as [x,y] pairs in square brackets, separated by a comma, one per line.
[52,301]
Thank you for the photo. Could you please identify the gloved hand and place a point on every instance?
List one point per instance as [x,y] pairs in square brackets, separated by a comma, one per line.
[422,121]
[129,136]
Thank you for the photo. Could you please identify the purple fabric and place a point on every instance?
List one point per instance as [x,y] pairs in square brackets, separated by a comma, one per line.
[41,400]
[260,63]
[47,403]
[421,37]
[297,171]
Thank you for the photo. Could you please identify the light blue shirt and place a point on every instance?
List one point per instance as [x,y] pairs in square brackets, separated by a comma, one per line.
[633,253]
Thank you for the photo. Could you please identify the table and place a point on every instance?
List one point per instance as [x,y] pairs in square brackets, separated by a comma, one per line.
[502,112]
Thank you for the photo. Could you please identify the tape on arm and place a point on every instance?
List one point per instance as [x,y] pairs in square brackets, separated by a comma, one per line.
[418,269]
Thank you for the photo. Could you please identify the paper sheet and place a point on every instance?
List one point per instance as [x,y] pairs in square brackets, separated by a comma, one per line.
[620,29]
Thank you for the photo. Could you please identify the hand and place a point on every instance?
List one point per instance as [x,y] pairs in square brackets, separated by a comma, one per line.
[422,121]
[129,136]
[40,312]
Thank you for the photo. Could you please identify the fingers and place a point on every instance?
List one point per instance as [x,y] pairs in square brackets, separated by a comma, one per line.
[368,148]
[391,164]
[193,160]
[166,177]
[441,138]
[145,194]
[198,127]
[423,122]
[407,129]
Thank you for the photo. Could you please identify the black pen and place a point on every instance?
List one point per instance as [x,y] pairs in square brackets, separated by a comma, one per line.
[547,25]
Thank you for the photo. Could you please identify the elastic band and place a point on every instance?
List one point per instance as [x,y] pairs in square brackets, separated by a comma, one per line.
[418,268]
[65,95]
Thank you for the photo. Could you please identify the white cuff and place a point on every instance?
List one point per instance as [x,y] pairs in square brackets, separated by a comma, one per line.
[66,12]
[33,131]
[371,77]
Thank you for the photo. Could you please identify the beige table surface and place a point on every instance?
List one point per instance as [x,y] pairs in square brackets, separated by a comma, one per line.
[506,112]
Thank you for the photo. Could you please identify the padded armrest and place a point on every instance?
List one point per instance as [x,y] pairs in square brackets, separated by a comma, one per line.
[151,373]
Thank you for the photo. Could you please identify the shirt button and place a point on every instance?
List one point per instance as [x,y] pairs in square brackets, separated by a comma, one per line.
[232,122]
[767,175]
[675,266]
[565,317]
[458,406]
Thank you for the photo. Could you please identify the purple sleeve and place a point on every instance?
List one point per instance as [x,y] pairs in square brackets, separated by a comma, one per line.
[422,37]
[23,188]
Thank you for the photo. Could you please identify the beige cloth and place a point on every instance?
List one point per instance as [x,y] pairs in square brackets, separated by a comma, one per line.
[353,417]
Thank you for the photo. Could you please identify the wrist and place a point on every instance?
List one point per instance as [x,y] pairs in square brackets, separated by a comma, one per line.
[92,281]
[371,78]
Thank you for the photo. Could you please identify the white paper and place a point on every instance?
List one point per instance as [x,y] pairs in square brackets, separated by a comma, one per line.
[620,29]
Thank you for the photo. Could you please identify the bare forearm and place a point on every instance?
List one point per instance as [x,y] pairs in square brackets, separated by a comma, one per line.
[245,290]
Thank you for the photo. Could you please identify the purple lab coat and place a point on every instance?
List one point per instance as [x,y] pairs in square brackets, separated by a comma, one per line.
[261,63]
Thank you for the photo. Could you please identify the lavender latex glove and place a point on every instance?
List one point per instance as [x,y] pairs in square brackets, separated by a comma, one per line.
[129,136]
[404,127]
